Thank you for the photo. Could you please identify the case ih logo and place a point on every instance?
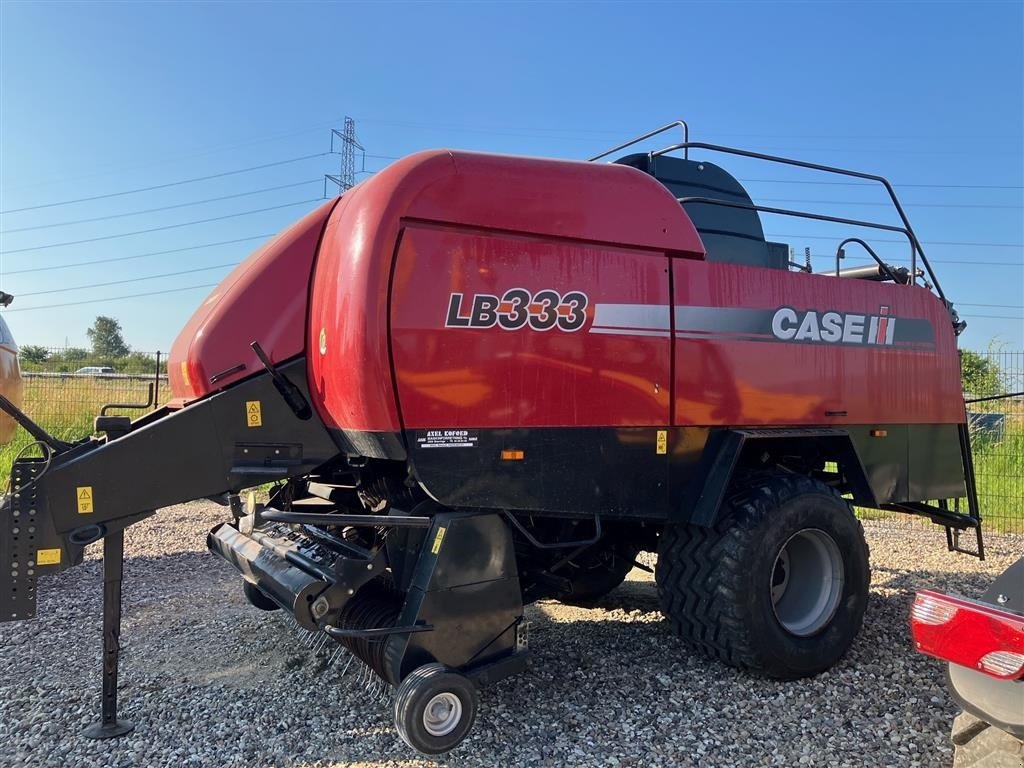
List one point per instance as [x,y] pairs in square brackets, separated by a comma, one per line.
[834,327]
[517,308]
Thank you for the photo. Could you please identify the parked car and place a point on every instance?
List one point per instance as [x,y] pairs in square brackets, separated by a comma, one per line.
[983,641]
[11,385]
[94,370]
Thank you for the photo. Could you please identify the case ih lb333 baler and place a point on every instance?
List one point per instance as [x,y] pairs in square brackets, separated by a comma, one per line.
[477,381]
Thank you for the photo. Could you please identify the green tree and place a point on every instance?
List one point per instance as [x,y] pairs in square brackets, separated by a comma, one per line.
[137,362]
[32,353]
[74,354]
[106,338]
[980,374]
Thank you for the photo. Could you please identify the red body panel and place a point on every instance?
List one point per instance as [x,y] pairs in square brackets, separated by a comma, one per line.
[494,377]
[350,371]
[732,381]
[599,250]
[264,299]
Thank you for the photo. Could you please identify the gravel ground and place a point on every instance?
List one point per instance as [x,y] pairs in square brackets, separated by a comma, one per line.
[211,681]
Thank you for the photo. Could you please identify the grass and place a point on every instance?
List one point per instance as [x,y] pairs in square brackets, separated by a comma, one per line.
[66,407]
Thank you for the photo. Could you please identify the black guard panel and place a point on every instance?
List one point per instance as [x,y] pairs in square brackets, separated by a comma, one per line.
[573,471]
[466,586]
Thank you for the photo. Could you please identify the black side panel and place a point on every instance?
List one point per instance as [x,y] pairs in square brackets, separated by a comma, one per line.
[575,471]
[936,462]
[730,235]
[466,585]
[912,462]
[884,460]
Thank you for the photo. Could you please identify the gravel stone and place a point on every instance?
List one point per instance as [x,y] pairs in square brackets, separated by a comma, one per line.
[211,681]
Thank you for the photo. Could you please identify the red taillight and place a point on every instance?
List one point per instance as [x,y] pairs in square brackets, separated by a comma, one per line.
[971,634]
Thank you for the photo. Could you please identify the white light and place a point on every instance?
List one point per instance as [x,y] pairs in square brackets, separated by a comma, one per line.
[1002,663]
[928,610]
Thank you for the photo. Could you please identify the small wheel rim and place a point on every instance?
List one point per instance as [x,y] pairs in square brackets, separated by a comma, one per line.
[807,582]
[442,714]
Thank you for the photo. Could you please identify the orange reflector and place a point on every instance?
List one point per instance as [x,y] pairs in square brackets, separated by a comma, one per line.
[879,433]
[512,455]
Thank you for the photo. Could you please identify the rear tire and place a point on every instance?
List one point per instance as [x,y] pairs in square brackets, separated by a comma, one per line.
[778,586]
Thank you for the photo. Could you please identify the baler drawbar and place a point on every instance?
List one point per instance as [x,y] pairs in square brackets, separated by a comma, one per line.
[476,381]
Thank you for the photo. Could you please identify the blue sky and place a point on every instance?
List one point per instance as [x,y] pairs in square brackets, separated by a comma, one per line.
[99,99]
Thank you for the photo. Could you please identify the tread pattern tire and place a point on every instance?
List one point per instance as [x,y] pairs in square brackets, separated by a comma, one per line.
[411,699]
[714,583]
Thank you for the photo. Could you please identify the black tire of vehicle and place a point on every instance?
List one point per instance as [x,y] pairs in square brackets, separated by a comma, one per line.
[980,745]
[595,575]
[417,691]
[257,598]
[715,584]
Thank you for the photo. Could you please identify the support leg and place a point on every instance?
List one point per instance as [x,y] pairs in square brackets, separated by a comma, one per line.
[113,569]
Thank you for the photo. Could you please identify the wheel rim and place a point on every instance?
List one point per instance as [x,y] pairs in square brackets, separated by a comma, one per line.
[807,582]
[442,714]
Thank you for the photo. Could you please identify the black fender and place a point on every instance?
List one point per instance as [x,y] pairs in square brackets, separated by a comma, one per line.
[721,456]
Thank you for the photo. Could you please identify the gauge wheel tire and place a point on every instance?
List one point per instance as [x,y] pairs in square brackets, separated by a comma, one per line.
[435,708]
[258,598]
[596,572]
[778,586]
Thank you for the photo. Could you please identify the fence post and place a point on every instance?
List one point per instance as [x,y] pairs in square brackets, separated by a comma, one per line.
[156,383]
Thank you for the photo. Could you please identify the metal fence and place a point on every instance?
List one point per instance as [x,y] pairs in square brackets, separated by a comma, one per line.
[65,388]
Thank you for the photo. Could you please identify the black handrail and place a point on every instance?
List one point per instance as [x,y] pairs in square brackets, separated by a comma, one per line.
[915,244]
[674,124]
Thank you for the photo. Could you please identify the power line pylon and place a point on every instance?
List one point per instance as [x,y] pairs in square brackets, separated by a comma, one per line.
[346,178]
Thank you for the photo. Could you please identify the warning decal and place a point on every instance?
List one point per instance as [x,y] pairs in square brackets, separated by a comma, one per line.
[662,443]
[253,413]
[438,539]
[84,494]
[48,557]
[447,438]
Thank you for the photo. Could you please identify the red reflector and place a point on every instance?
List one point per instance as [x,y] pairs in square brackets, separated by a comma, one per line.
[969,633]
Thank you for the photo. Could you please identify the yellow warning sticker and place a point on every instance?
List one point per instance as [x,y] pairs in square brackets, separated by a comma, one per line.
[84,494]
[253,413]
[48,557]
[438,538]
[662,444]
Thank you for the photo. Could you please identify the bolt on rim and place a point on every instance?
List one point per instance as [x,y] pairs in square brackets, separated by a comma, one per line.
[442,714]
[807,582]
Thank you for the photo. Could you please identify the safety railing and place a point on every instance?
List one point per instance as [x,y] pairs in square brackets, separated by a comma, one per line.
[916,250]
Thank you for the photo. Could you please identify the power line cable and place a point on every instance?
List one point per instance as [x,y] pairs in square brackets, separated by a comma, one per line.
[133,279]
[210,150]
[160,229]
[113,298]
[169,184]
[161,208]
[70,265]
[623,132]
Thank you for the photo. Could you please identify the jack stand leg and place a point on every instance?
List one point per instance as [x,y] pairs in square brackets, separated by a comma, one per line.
[113,568]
